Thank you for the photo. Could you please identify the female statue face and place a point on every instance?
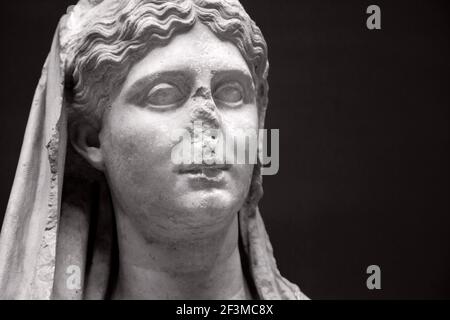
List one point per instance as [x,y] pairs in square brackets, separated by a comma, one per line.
[196,79]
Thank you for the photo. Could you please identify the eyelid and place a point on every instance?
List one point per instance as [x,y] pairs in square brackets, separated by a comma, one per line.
[161,85]
[243,78]
[138,92]
[159,88]
[234,85]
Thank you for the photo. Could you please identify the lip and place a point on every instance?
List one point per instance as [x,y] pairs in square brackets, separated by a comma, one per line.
[203,169]
[205,176]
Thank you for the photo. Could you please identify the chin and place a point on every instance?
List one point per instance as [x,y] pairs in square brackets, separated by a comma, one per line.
[210,205]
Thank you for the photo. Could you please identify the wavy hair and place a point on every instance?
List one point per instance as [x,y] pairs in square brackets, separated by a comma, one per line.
[120,33]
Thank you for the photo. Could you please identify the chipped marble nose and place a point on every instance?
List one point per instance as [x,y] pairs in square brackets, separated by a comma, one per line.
[205,126]
[205,109]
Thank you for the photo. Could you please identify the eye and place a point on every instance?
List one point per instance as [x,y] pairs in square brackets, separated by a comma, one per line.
[230,93]
[164,95]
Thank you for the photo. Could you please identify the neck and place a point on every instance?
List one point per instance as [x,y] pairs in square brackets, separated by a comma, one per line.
[204,267]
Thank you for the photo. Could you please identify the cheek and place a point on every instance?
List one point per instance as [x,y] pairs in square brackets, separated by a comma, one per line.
[241,126]
[244,118]
[137,149]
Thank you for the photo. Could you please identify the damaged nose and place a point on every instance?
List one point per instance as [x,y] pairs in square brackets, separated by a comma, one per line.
[205,109]
[205,126]
[207,114]
[203,92]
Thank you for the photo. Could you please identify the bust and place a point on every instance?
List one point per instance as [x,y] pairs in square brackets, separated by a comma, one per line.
[114,216]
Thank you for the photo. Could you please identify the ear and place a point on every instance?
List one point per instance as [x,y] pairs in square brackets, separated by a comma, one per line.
[85,139]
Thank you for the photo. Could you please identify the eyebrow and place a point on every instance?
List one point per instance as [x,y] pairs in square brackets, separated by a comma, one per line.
[230,72]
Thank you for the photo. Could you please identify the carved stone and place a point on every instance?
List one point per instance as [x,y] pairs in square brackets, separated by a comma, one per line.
[99,209]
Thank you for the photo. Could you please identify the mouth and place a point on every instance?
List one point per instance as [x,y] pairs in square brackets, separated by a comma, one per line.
[205,175]
[207,170]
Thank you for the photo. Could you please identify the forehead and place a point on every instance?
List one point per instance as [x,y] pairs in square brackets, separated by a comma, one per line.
[198,50]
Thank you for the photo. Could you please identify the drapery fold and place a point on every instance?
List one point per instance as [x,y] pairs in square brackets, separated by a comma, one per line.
[28,237]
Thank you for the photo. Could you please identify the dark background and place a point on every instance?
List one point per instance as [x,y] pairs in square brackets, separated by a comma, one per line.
[363,119]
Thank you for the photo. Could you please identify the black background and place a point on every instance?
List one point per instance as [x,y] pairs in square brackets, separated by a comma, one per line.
[363,119]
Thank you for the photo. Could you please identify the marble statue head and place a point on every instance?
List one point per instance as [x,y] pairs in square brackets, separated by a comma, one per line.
[148,69]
